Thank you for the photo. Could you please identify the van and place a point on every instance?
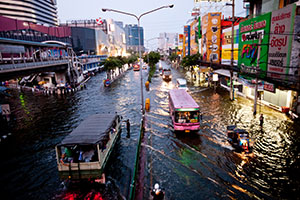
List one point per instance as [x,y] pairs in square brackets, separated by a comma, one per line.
[181,84]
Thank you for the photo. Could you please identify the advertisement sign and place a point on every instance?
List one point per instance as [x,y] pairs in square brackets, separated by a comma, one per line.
[211,37]
[249,33]
[282,24]
[295,51]
[180,42]
[187,34]
[269,87]
[226,45]
[194,37]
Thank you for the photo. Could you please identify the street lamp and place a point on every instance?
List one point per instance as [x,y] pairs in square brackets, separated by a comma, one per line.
[232,49]
[140,56]
[148,45]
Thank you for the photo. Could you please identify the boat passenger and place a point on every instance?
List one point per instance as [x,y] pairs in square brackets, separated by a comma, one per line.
[87,156]
[68,154]
[157,193]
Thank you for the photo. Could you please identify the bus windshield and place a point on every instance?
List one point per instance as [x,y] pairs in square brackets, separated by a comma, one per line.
[187,116]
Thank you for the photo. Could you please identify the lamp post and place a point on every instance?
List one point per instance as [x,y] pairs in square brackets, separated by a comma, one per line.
[140,55]
[232,49]
[148,45]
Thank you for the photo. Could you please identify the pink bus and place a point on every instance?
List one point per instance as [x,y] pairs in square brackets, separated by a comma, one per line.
[184,111]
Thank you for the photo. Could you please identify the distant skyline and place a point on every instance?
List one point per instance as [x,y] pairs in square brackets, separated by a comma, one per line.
[170,20]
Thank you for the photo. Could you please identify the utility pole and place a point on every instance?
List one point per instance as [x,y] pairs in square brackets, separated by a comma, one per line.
[232,49]
[256,79]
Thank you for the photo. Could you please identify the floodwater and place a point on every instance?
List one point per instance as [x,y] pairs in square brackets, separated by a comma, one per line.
[188,166]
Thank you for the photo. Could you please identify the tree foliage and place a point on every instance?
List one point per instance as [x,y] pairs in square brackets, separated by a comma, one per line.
[173,56]
[112,63]
[191,60]
[132,59]
[153,58]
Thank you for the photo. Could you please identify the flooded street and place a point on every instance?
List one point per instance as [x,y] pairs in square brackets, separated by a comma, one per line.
[188,166]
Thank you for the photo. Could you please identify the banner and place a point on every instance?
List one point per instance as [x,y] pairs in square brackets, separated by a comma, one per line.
[249,33]
[226,45]
[282,24]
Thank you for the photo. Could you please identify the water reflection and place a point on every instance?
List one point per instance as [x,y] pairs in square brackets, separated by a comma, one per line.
[199,166]
[206,165]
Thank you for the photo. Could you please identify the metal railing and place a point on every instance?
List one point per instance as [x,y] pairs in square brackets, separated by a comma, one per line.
[19,66]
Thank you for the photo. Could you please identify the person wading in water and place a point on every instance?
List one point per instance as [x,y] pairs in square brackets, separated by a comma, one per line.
[128,128]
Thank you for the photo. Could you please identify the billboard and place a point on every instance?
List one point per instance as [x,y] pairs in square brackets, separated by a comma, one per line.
[282,25]
[194,37]
[249,33]
[211,37]
[187,35]
[226,45]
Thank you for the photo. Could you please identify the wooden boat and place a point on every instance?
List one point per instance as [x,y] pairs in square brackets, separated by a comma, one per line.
[84,153]
[239,139]
[106,82]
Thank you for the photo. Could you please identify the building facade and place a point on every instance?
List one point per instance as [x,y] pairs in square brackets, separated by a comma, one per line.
[132,37]
[167,42]
[42,12]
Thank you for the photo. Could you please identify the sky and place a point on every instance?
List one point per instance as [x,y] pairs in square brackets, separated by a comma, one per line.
[169,20]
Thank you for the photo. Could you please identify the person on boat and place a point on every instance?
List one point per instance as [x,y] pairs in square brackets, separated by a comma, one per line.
[157,193]
[68,154]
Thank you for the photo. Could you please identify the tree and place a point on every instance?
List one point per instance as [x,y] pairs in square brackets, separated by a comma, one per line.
[112,63]
[153,57]
[191,60]
[132,59]
[173,56]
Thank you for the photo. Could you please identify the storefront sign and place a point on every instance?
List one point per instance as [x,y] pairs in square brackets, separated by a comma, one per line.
[282,24]
[226,45]
[269,87]
[249,34]
[248,83]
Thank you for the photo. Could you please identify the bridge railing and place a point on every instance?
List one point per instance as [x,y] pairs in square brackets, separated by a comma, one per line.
[16,66]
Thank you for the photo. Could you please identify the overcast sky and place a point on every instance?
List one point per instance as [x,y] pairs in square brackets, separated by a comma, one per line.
[169,20]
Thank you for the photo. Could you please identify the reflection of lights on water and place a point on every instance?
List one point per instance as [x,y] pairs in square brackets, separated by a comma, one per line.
[23,103]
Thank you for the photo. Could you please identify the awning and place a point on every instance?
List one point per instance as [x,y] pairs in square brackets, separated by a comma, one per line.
[223,72]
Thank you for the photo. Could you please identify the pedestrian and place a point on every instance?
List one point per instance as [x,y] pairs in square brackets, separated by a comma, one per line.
[201,116]
[128,128]
[261,119]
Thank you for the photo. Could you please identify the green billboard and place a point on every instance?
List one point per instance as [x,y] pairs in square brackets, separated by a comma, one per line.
[249,34]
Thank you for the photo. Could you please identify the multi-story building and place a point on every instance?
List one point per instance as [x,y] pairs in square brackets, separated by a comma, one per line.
[167,41]
[132,37]
[36,11]
[264,6]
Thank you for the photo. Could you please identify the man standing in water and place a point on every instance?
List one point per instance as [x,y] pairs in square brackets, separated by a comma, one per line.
[128,128]
[261,120]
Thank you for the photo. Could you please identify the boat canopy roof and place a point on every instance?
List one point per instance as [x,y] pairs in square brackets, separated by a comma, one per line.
[94,130]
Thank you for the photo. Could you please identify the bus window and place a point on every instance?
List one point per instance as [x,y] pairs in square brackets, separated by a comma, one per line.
[187,117]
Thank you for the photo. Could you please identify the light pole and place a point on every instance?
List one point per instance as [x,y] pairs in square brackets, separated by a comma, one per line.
[148,45]
[232,49]
[140,55]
